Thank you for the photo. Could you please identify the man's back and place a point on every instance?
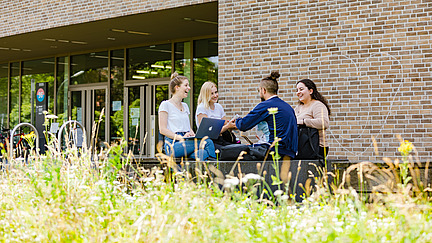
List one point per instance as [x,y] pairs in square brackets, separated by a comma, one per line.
[286,123]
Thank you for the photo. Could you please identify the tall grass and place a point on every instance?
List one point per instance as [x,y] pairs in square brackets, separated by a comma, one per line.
[79,196]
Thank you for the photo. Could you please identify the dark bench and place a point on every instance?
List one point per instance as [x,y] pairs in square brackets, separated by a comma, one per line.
[298,172]
[352,179]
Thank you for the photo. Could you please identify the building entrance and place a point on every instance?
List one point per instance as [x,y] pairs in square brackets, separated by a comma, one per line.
[87,105]
[141,122]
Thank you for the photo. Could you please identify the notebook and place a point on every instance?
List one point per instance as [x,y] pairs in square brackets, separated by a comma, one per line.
[209,127]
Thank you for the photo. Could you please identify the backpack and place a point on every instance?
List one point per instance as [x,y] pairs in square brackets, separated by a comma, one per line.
[308,143]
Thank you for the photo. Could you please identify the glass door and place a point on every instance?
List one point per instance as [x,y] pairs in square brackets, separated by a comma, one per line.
[89,108]
[160,93]
[142,131]
[136,116]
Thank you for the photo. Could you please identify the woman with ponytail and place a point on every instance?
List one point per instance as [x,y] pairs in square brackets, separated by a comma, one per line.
[313,111]
[174,124]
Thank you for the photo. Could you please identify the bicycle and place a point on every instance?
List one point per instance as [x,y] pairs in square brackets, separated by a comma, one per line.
[20,144]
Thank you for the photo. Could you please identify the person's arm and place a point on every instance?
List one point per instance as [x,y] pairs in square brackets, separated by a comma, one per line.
[255,116]
[320,118]
[228,125]
[163,125]
[200,116]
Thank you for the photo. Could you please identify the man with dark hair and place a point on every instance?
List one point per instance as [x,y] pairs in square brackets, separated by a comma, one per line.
[286,122]
[271,85]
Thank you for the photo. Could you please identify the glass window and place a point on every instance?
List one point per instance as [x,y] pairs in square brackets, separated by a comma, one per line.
[205,64]
[62,88]
[14,93]
[89,68]
[39,71]
[3,95]
[149,62]
[117,79]
[182,60]
[182,63]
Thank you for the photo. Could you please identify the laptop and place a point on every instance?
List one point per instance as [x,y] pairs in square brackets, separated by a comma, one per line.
[209,127]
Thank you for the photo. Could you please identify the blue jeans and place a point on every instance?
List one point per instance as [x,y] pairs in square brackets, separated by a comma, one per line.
[188,149]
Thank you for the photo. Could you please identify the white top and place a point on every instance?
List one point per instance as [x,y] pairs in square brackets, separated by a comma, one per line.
[217,113]
[178,121]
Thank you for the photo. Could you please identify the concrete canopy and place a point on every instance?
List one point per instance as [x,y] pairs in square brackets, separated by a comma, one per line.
[139,29]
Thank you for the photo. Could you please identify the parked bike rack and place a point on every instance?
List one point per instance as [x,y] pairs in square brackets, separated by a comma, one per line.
[13,132]
[60,132]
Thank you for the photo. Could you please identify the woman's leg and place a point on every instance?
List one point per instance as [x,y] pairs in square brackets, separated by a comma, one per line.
[206,149]
[203,149]
[179,148]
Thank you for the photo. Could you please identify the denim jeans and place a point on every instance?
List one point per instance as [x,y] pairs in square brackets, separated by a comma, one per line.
[186,148]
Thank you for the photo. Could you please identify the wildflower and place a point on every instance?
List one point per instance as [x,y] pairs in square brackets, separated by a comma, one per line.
[278,193]
[231,182]
[405,148]
[51,116]
[31,135]
[81,210]
[252,176]
[30,138]
[272,110]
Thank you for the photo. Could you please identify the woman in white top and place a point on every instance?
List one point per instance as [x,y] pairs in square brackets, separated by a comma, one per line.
[175,126]
[208,106]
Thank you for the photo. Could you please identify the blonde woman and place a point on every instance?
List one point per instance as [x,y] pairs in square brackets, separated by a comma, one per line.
[174,123]
[208,106]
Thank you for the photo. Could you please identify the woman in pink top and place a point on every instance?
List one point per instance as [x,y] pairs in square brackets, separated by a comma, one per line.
[313,111]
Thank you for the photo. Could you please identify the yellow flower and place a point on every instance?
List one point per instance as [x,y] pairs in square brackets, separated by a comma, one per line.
[273,110]
[405,148]
[29,137]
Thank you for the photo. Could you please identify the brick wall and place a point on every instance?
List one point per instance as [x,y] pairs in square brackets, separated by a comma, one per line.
[32,15]
[371,59]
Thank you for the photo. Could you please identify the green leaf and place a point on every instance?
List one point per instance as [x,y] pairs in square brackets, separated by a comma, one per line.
[275,180]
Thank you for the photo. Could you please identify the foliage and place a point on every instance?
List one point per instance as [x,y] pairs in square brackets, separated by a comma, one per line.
[51,199]
[72,195]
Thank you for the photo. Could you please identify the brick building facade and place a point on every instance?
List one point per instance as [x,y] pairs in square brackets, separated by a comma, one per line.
[25,16]
[370,59]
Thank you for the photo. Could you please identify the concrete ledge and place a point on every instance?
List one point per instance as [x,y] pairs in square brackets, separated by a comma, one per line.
[364,179]
[297,173]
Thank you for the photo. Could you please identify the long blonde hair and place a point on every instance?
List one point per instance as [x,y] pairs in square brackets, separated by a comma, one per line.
[205,94]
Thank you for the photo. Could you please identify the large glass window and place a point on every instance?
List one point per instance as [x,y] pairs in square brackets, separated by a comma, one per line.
[149,62]
[62,88]
[205,64]
[182,58]
[89,68]
[117,94]
[14,94]
[37,71]
[3,95]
